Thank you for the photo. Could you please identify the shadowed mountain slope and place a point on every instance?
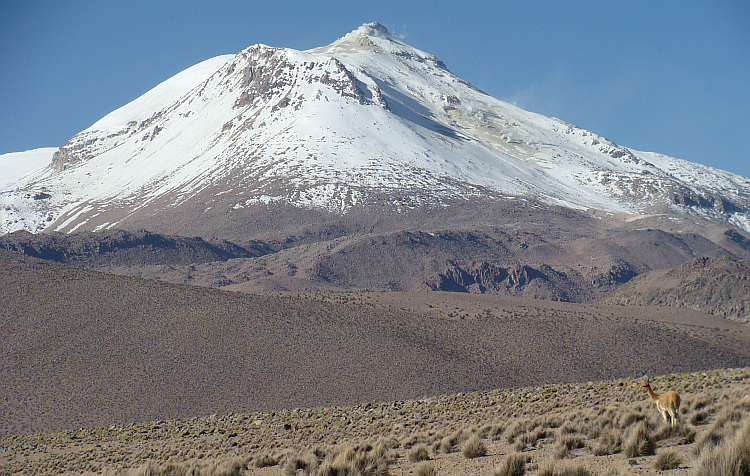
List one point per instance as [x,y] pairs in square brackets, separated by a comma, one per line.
[82,348]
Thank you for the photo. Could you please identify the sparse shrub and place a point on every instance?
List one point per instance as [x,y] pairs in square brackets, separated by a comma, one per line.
[639,442]
[668,460]
[474,447]
[418,454]
[425,469]
[513,465]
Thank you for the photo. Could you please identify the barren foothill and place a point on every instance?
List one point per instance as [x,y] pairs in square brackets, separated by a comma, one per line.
[87,349]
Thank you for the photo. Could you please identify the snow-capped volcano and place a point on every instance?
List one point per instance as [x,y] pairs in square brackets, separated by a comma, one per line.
[332,127]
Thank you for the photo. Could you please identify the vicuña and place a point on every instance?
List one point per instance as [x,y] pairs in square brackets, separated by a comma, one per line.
[668,403]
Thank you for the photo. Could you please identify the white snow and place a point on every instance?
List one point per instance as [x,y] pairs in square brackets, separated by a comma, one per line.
[16,165]
[322,128]
[162,95]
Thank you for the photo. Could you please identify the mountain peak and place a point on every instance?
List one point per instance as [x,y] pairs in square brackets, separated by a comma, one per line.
[368,36]
[373,29]
[336,128]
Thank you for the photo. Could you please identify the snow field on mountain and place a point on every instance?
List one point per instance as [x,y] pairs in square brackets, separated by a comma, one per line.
[325,128]
[16,165]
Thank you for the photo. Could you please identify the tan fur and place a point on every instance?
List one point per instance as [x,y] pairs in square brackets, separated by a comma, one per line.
[668,403]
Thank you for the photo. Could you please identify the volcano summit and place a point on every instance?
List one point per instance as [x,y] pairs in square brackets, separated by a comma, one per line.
[367,122]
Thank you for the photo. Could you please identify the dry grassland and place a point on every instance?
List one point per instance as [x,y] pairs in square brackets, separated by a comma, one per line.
[606,427]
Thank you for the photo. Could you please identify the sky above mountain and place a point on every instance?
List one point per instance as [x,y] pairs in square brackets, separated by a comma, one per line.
[669,77]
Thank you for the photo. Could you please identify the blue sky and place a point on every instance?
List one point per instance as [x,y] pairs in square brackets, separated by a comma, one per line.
[666,76]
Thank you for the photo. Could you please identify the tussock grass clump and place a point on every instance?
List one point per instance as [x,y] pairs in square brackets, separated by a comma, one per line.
[577,470]
[700,403]
[494,432]
[353,460]
[730,458]
[265,460]
[573,428]
[231,467]
[608,443]
[639,442]
[419,453]
[699,418]
[474,447]
[567,443]
[449,443]
[550,422]
[668,460]
[307,462]
[513,465]
[530,438]
[630,418]
[727,421]
[518,428]
[425,469]
[684,432]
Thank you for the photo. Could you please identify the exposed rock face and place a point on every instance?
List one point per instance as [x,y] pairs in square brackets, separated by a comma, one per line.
[738,238]
[123,248]
[518,280]
[689,198]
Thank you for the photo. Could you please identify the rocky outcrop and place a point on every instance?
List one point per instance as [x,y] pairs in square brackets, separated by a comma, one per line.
[719,285]
[519,280]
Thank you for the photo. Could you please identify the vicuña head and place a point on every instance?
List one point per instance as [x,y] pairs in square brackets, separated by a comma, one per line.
[668,403]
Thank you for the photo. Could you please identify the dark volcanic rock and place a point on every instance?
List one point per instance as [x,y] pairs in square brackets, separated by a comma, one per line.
[519,280]
[124,248]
